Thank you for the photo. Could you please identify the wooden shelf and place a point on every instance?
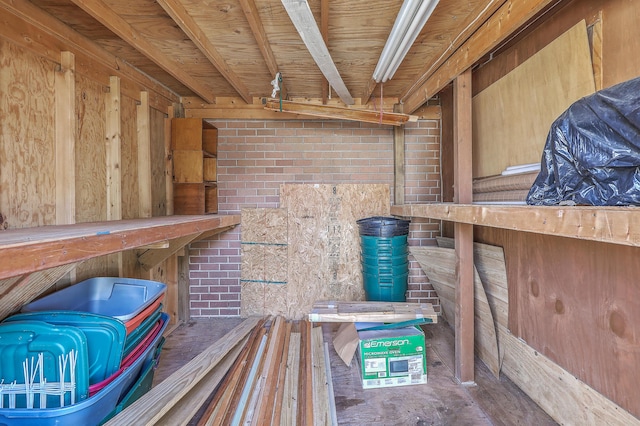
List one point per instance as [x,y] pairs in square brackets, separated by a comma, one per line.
[617,225]
[29,250]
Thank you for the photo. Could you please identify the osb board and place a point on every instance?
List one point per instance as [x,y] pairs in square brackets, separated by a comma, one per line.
[512,117]
[324,243]
[439,264]
[263,275]
[27,144]
[158,172]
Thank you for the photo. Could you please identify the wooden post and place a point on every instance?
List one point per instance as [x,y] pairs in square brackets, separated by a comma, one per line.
[464,327]
[398,160]
[113,127]
[144,156]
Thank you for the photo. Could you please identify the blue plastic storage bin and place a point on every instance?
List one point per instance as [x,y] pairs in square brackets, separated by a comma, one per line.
[93,410]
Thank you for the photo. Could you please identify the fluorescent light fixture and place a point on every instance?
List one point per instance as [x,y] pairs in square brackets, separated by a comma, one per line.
[411,18]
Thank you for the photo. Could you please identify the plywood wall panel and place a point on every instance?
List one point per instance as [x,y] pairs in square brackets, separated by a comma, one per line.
[512,117]
[575,302]
[27,149]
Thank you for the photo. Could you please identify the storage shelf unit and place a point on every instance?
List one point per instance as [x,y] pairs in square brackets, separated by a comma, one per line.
[194,143]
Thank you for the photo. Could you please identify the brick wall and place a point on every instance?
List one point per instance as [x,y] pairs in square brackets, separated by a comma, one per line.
[255,157]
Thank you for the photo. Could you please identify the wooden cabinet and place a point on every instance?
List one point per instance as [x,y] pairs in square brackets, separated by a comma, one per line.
[194,144]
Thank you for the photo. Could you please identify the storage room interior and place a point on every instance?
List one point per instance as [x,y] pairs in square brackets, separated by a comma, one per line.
[211,211]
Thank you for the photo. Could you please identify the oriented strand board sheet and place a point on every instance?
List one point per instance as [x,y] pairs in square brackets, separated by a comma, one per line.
[439,264]
[263,275]
[512,117]
[504,183]
[27,138]
[324,243]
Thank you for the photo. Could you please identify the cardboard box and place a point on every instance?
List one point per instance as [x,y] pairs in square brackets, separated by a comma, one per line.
[385,358]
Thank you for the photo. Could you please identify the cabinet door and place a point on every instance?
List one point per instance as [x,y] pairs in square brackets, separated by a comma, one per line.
[186,134]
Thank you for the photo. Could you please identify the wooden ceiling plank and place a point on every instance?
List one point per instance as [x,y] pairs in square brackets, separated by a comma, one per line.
[340,113]
[470,26]
[253,18]
[110,19]
[303,20]
[53,37]
[179,14]
[507,19]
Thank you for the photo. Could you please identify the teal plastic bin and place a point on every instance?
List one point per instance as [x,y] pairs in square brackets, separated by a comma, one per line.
[385,288]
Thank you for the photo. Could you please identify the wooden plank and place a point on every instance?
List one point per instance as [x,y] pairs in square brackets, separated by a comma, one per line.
[618,225]
[113,128]
[263,412]
[398,161]
[439,265]
[302,17]
[179,14]
[168,161]
[290,394]
[35,249]
[158,401]
[282,374]
[182,413]
[49,36]
[530,97]
[321,410]
[464,322]
[501,25]
[110,19]
[18,292]
[340,113]
[558,392]
[371,312]
[65,140]
[596,45]
[145,203]
[324,31]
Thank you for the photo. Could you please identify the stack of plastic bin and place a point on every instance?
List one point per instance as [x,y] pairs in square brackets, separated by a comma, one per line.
[135,306]
[384,258]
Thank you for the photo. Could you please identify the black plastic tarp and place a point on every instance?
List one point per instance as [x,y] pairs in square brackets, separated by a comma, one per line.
[592,152]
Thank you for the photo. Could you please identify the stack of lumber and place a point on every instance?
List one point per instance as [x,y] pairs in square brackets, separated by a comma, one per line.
[504,188]
[264,371]
[331,311]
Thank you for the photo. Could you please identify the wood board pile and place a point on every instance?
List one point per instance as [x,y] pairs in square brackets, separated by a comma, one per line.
[264,371]
[389,312]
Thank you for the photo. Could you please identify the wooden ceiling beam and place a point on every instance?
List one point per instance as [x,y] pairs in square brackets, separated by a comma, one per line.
[340,113]
[110,19]
[190,27]
[502,24]
[305,23]
[324,30]
[253,18]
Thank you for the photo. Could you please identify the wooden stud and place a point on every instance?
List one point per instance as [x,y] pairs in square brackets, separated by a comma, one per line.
[113,127]
[595,32]
[152,257]
[145,206]
[464,323]
[280,385]
[324,31]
